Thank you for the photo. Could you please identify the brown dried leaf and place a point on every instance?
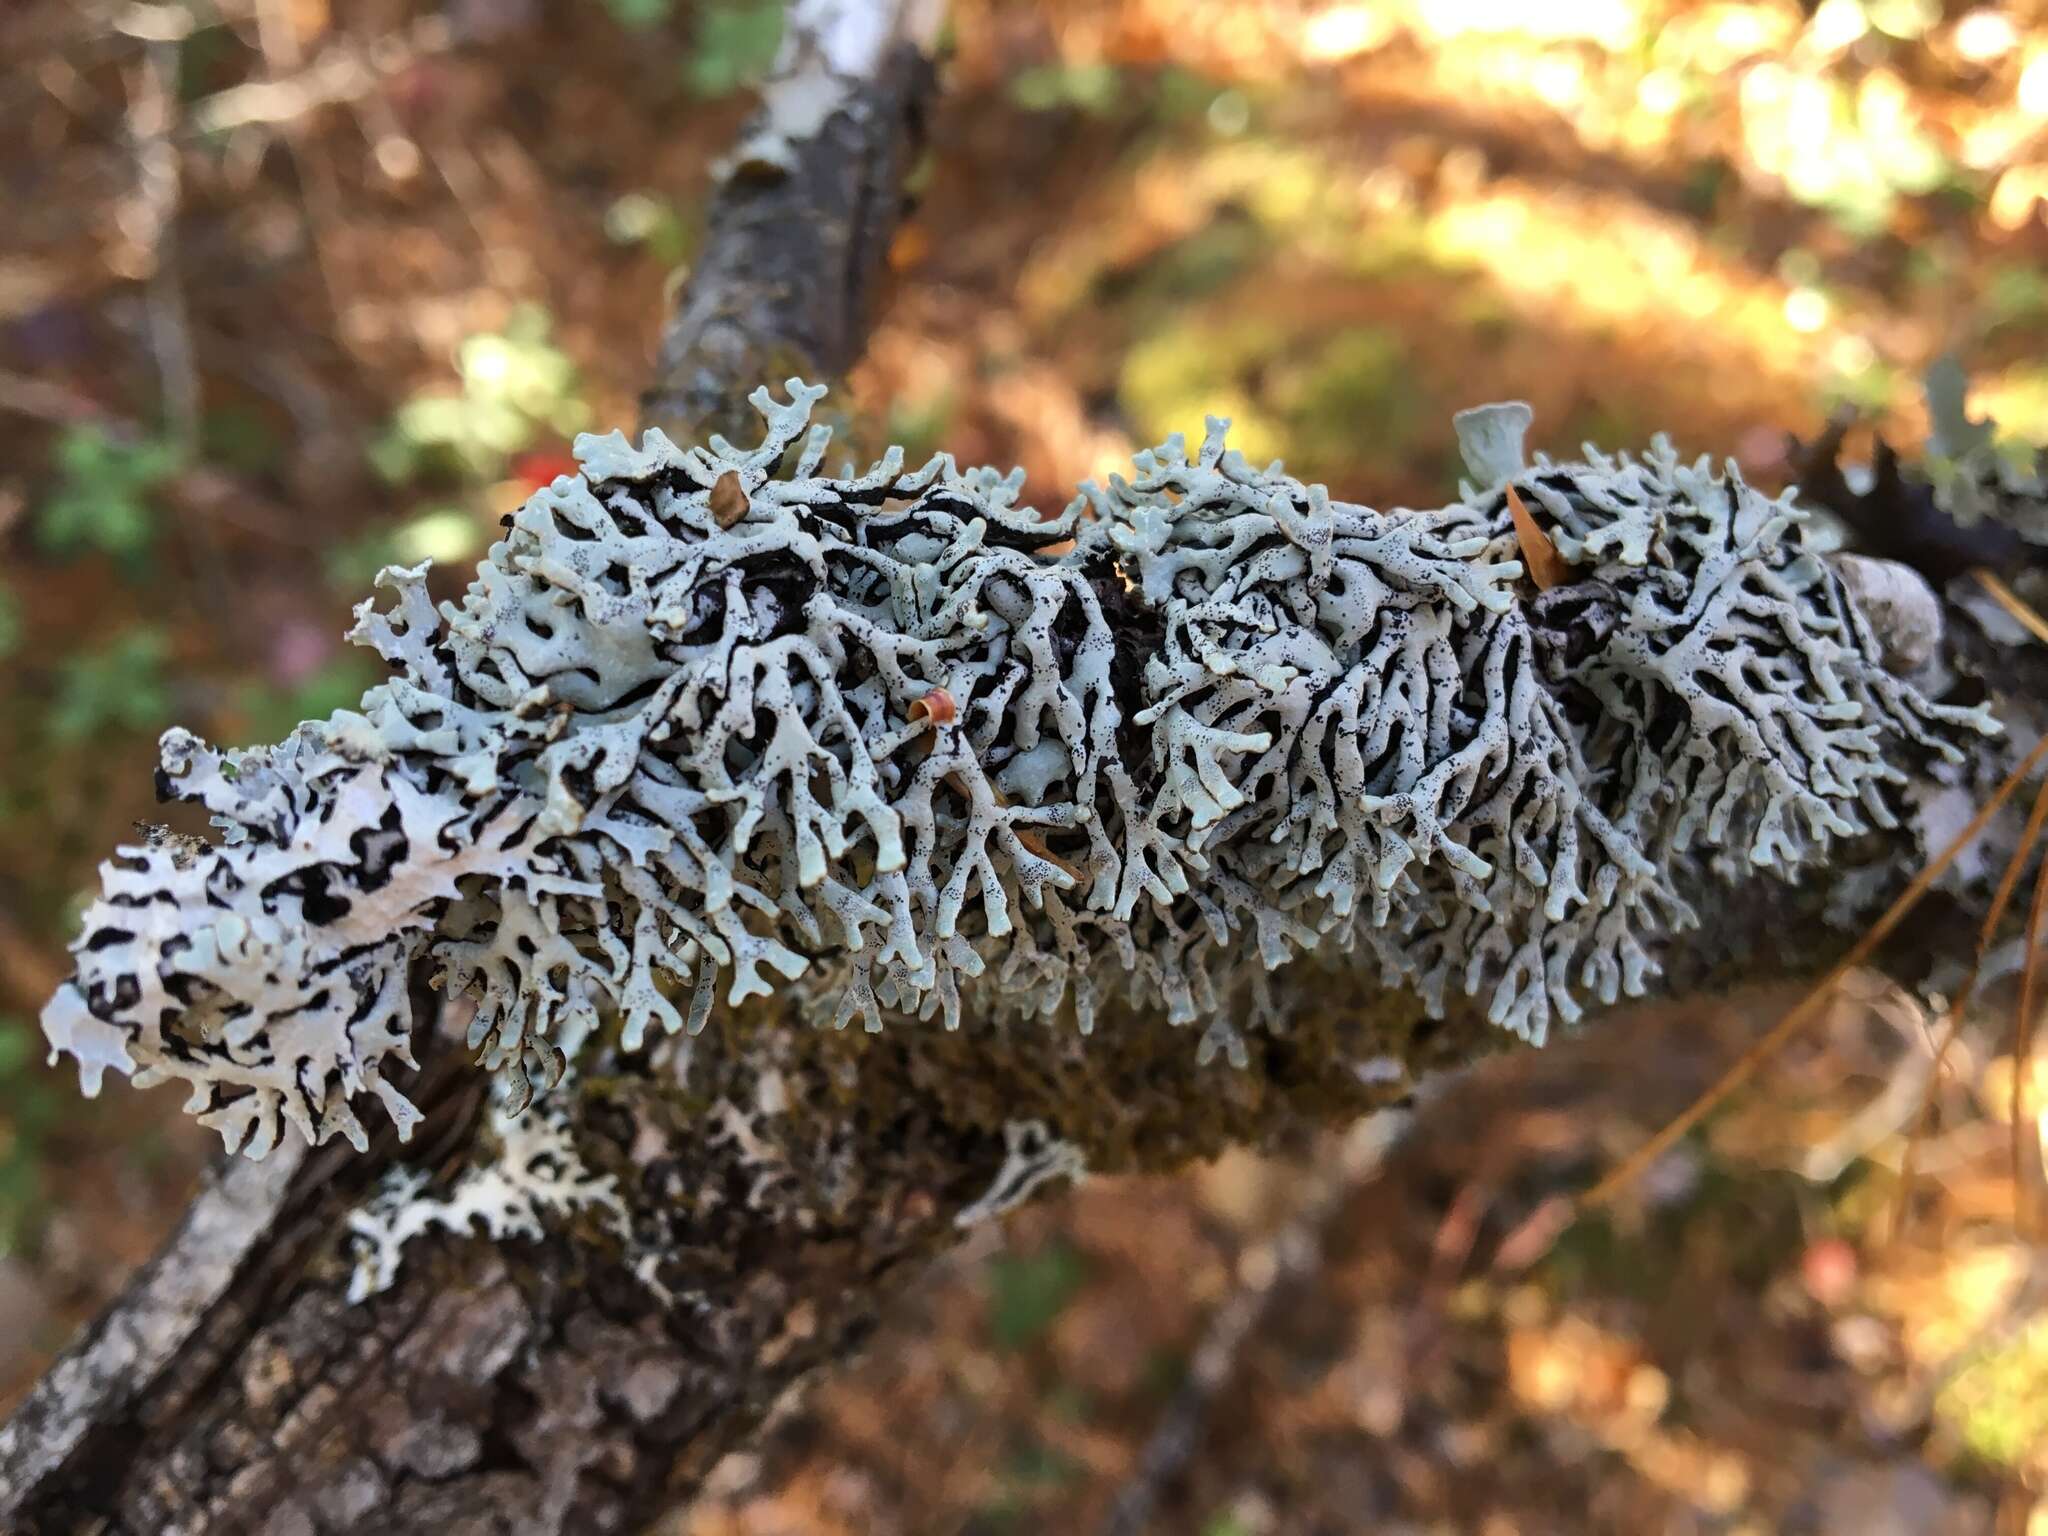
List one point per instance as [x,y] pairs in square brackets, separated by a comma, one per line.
[1547,567]
[728,499]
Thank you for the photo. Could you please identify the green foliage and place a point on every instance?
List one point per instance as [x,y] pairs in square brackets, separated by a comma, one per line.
[1346,401]
[1866,381]
[1357,385]
[1027,1293]
[1742,1222]
[29,1111]
[515,385]
[10,621]
[1029,1472]
[208,52]
[2000,1403]
[1178,92]
[642,218]
[241,439]
[1095,89]
[919,423]
[1849,152]
[2016,294]
[640,15]
[102,497]
[735,46]
[118,687]
[1215,255]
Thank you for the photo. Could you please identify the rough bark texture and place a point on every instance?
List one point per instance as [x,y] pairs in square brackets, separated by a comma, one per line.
[800,227]
[776,1192]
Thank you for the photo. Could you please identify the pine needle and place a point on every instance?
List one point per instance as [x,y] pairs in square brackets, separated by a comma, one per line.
[2012,603]
[1808,1007]
[2029,1177]
[2008,882]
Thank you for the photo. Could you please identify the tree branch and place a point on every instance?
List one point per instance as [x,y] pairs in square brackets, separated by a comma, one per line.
[802,221]
[719,1232]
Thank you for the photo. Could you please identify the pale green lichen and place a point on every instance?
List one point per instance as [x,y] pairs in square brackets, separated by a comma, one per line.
[709,722]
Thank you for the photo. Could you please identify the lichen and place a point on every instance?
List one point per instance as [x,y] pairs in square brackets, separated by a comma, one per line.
[1977,476]
[1032,1156]
[711,724]
[536,1173]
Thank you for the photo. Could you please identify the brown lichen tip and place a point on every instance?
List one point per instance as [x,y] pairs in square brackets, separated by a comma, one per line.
[1547,567]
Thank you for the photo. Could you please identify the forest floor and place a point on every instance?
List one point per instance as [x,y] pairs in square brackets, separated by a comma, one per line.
[290,289]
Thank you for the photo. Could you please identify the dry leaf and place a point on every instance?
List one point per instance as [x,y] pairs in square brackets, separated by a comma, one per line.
[1547,567]
[728,499]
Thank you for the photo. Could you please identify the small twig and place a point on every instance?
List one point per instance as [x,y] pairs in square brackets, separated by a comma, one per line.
[2030,1179]
[2015,605]
[277,35]
[1804,1011]
[1897,1106]
[345,71]
[153,23]
[464,179]
[153,225]
[2008,882]
[27,974]
[1265,1272]
[815,185]
[41,400]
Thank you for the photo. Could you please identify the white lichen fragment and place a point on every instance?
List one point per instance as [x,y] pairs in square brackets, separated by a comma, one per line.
[897,744]
[536,1177]
[1032,1156]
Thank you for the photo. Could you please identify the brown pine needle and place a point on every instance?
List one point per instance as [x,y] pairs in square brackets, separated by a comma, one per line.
[1547,567]
[2008,882]
[2029,1177]
[2012,603]
[1804,1011]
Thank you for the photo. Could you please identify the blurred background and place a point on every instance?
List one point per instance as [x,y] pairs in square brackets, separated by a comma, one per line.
[290,289]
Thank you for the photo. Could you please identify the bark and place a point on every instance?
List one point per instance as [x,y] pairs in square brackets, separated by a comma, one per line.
[778,1190]
[801,225]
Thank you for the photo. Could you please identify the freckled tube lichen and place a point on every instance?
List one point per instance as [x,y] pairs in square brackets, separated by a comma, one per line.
[675,746]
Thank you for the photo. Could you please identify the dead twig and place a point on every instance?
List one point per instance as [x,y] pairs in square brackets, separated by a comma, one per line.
[150,220]
[2029,1177]
[278,37]
[41,400]
[345,71]
[2008,882]
[1266,1270]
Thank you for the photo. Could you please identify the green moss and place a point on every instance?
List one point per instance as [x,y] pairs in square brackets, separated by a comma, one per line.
[2000,1403]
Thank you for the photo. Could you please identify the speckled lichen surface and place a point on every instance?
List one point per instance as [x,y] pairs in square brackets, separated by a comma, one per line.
[710,724]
